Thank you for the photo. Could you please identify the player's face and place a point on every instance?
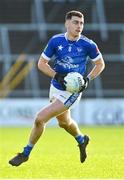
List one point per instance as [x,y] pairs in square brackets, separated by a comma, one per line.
[74,26]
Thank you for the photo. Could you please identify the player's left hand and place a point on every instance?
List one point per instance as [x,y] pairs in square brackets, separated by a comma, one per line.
[86,83]
[60,79]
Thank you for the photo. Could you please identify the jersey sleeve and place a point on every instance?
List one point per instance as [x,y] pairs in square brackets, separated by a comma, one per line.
[49,50]
[94,52]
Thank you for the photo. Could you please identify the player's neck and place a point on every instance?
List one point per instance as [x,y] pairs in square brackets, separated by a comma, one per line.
[71,37]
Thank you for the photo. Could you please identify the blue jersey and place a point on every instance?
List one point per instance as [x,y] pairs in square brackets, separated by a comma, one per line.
[70,56]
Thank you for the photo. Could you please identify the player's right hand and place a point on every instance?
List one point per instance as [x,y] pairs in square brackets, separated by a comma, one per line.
[86,83]
[60,79]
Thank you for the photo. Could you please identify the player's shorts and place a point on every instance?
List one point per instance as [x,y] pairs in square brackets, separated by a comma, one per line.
[67,98]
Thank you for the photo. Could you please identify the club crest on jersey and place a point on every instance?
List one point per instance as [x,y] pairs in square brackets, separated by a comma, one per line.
[79,49]
[60,48]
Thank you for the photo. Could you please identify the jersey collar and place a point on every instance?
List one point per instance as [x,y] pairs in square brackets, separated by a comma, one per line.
[70,40]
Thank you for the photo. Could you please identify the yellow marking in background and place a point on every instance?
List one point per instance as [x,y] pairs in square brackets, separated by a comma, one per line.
[19,77]
[12,71]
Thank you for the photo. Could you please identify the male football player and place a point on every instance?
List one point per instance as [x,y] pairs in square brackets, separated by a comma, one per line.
[71,50]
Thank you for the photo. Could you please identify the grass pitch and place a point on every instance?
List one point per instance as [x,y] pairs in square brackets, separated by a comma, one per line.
[56,155]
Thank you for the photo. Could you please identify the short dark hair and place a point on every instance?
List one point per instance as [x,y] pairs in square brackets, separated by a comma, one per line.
[73,13]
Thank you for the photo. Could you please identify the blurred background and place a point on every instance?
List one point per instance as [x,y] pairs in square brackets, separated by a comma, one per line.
[25,28]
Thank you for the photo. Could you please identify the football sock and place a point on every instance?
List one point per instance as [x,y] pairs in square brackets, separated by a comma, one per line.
[27,149]
[79,139]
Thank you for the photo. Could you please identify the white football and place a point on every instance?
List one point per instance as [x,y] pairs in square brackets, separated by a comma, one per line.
[74,82]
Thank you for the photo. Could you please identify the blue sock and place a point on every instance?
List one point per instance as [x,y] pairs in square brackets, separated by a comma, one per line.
[79,139]
[27,149]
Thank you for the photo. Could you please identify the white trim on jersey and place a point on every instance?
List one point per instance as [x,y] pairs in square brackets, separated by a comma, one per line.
[97,58]
[45,57]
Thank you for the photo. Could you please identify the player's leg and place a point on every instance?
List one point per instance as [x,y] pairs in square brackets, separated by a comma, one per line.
[42,118]
[69,100]
[65,121]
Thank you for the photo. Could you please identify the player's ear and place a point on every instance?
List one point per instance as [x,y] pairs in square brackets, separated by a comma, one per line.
[66,23]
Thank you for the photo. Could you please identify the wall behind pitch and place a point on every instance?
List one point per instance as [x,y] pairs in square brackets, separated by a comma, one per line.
[22,112]
[14,112]
[101,111]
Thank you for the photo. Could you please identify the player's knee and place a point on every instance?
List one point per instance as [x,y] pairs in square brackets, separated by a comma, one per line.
[39,121]
[64,124]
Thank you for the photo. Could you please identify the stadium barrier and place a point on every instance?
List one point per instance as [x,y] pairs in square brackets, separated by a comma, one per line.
[21,112]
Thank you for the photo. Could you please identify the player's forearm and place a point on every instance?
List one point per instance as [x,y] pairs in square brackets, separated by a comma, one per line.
[96,71]
[46,69]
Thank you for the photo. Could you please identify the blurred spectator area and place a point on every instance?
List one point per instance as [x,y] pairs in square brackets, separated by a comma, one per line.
[27,25]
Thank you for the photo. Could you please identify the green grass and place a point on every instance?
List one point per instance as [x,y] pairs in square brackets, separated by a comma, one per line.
[56,154]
